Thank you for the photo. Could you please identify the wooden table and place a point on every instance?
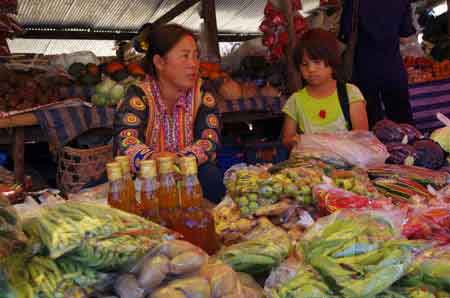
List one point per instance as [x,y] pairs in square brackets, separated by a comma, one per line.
[18,124]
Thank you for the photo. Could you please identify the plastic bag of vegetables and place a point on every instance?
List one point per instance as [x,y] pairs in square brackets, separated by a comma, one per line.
[266,248]
[360,254]
[432,268]
[11,234]
[307,283]
[65,227]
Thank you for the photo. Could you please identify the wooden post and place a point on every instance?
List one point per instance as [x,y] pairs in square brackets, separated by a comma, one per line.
[19,154]
[294,78]
[208,14]
[448,19]
[176,11]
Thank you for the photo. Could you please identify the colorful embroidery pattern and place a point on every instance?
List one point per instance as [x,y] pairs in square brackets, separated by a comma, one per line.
[210,134]
[131,119]
[209,101]
[164,130]
[129,133]
[137,103]
[129,141]
[212,121]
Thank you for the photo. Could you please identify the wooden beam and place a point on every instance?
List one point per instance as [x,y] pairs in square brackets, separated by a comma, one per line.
[208,13]
[294,79]
[176,11]
[85,34]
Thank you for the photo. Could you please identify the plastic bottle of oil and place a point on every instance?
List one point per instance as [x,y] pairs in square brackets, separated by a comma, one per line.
[114,173]
[149,190]
[129,191]
[193,221]
[167,192]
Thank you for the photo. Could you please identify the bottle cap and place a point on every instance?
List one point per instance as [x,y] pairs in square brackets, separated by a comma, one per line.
[113,171]
[188,165]
[124,162]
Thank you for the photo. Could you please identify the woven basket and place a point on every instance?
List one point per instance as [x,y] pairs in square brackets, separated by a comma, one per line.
[77,167]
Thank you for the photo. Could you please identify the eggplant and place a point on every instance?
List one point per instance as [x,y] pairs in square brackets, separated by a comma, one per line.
[399,154]
[127,286]
[412,132]
[153,272]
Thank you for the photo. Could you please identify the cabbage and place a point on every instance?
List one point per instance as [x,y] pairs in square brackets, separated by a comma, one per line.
[104,87]
[442,136]
[116,93]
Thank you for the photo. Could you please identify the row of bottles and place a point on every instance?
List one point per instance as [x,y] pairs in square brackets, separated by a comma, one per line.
[171,202]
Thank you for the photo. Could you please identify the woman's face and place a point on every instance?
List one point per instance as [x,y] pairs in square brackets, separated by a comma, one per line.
[315,72]
[180,65]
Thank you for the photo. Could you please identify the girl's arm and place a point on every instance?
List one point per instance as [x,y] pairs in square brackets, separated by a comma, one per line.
[289,134]
[358,115]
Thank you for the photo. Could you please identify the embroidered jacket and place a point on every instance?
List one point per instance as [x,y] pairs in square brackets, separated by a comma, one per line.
[143,125]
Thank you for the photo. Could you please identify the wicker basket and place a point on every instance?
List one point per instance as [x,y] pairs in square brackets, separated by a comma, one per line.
[77,167]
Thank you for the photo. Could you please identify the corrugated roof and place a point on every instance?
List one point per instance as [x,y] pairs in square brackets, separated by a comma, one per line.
[237,16]
[243,16]
[61,46]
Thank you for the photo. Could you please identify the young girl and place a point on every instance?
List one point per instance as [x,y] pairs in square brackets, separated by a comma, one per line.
[324,105]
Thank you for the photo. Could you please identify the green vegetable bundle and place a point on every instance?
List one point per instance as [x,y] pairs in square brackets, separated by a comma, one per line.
[357,253]
[65,227]
[306,284]
[259,254]
[112,253]
[11,234]
[431,268]
[81,275]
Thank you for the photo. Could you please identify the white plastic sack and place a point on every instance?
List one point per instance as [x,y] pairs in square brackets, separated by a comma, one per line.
[359,148]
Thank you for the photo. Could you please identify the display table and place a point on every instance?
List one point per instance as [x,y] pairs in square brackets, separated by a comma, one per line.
[60,125]
[426,100]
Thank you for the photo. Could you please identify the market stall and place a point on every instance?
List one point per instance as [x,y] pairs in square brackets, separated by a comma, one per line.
[352,214]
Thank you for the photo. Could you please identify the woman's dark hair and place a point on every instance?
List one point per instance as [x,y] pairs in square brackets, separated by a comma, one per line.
[319,45]
[161,40]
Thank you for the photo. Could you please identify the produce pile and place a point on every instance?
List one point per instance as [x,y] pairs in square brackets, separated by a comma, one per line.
[11,235]
[361,254]
[110,80]
[421,69]
[76,245]
[407,145]
[179,269]
[24,88]
[379,223]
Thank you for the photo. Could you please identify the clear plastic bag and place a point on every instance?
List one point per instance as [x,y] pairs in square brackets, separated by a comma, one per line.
[359,148]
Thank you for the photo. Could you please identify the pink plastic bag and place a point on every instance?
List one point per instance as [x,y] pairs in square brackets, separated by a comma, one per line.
[359,148]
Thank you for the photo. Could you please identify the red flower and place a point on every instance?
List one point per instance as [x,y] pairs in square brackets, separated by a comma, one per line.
[322,114]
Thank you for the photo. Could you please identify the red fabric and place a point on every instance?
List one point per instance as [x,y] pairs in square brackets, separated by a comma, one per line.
[4,49]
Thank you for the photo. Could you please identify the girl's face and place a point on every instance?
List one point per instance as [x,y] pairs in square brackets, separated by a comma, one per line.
[181,64]
[315,72]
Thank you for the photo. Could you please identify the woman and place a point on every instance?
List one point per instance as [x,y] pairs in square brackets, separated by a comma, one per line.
[324,105]
[169,113]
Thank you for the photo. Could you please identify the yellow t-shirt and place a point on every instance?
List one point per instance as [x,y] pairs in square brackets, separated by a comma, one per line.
[315,115]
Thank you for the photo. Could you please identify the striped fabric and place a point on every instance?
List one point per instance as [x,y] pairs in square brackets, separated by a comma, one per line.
[64,124]
[426,100]
[261,103]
